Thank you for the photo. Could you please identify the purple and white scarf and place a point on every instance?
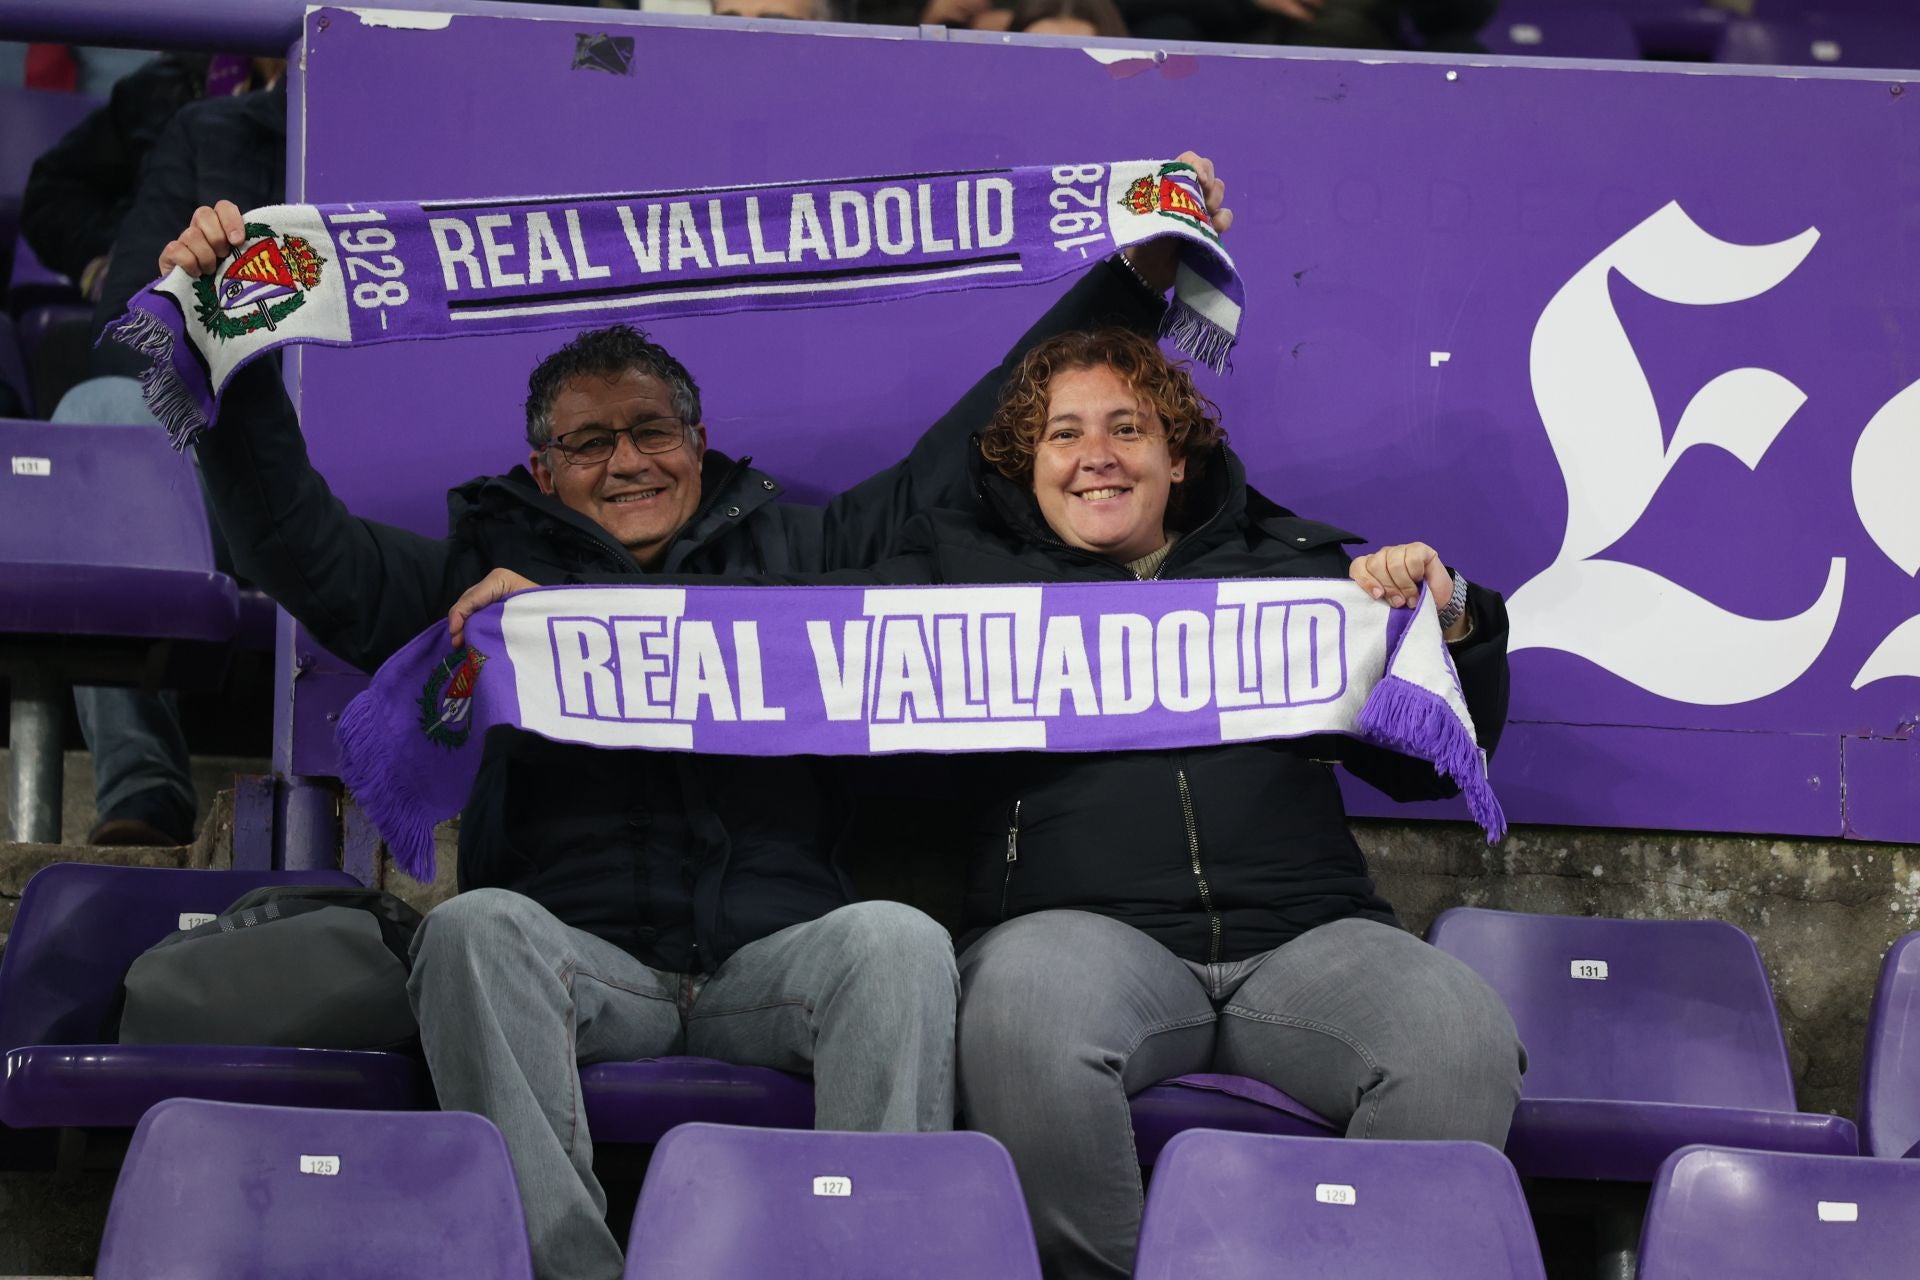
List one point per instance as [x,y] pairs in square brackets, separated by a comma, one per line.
[345,274]
[770,671]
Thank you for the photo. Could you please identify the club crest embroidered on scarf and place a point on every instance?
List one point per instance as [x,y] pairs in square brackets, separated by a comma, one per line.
[1174,193]
[266,282]
[446,704]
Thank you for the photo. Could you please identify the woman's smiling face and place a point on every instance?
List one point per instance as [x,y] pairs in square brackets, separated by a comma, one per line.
[1103,472]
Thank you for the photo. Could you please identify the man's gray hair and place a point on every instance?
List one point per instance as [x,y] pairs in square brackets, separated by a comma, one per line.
[607,353]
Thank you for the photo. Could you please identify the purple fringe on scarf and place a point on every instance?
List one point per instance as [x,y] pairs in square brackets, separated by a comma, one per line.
[173,386]
[370,732]
[1198,336]
[1418,722]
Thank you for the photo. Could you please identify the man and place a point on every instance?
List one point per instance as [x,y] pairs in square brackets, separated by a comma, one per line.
[618,905]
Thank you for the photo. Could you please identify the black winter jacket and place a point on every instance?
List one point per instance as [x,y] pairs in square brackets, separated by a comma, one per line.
[81,188]
[680,859]
[216,149]
[1219,853]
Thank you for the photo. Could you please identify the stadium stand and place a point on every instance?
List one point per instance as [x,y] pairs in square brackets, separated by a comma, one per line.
[217,1189]
[1890,1074]
[1826,40]
[830,1206]
[1545,29]
[1680,1043]
[1227,1205]
[128,594]
[1769,1215]
[77,929]
[638,1102]
[1642,1036]
[34,120]
[1218,1101]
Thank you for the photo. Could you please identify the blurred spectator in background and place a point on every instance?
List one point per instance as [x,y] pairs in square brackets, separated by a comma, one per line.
[64,68]
[1068,18]
[1443,26]
[1449,26]
[800,10]
[227,147]
[81,190]
[980,15]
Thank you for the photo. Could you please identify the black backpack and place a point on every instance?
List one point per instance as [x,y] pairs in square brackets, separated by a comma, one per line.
[302,966]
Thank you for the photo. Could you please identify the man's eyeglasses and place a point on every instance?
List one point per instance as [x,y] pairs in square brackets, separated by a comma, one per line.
[596,444]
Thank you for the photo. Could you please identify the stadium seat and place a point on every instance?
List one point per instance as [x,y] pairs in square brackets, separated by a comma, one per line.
[106,577]
[34,287]
[1866,40]
[640,1101]
[1766,1215]
[721,1202]
[1217,1102]
[213,1190]
[77,929]
[1544,29]
[1232,1206]
[1890,1076]
[1642,1036]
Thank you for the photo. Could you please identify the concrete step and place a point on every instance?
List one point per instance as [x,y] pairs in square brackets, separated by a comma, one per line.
[211,775]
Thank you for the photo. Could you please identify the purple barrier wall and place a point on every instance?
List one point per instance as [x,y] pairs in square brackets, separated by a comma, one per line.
[1633,344]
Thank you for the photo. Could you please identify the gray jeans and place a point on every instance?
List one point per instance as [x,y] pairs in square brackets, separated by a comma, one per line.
[134,734]
[511,1003]
[1065,1014]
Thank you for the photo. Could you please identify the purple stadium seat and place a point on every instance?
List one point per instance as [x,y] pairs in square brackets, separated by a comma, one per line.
[33,286]
[1642,1036]
[1765,1215]
[1545,29]
[641,1101]
[721,1203]
[1890,1077]
[77,929]
[106,535]
[1217,1102]
[106,577]
[212,1190]
[1868,40]
[1239,1206]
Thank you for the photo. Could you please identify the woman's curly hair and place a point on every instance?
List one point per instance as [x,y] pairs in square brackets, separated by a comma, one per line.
[1191,421]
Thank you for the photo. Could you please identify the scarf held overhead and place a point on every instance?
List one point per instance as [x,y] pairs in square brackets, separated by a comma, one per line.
[346,274]
[767,671]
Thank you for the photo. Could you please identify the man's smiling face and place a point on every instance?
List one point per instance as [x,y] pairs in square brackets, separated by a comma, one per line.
[642,499]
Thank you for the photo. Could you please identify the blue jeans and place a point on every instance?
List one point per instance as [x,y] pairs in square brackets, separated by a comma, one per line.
[1065,1014]
[133,734]
[511,1003]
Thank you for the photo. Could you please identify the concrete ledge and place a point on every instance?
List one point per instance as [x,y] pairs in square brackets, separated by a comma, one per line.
[1823,913]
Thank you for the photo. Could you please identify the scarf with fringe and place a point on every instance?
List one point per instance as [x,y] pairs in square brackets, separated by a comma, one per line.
[346,274]
[1096,666]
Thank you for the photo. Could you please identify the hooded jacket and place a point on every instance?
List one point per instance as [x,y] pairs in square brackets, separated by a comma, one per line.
[679,859]
[1219,853]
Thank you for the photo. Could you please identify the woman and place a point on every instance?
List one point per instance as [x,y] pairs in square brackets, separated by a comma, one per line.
[1134,916]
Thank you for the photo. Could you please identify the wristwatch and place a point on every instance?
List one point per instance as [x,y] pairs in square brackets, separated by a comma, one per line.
[1126,265]
[1456,603]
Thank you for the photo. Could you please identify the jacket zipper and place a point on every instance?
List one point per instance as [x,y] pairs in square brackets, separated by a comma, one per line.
[1199,872]
[1013,856]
